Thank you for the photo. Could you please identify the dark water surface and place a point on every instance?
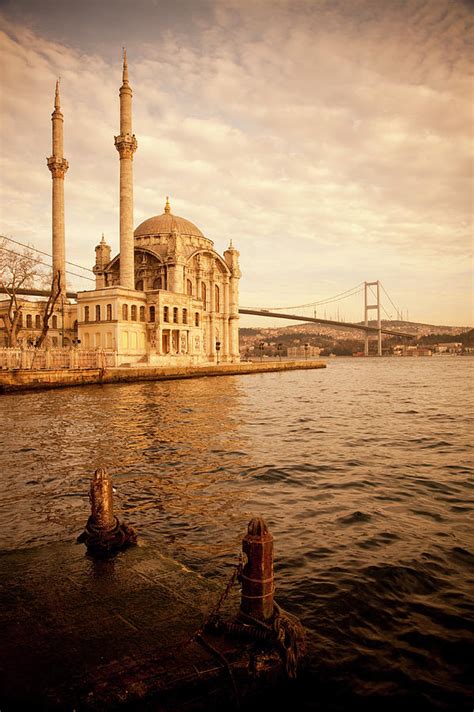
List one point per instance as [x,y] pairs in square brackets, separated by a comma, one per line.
[363,472]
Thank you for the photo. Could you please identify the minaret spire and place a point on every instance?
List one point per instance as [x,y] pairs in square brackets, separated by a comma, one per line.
[125,67]
[126,145]
[57,104]
[58,166]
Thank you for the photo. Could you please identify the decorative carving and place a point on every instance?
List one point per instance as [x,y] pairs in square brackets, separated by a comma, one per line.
[197,343]
[57,166]
[172,246]
[126,145]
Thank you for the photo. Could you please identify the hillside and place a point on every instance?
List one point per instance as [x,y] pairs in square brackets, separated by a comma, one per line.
[345,342]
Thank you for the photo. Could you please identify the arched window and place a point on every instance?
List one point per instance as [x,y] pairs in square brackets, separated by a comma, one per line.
[125,312]
[196,319]
[97,312]
[189,287]
[55,321]
[139,285]
[86,313]
[158,283]
[166,314]
[185,316]
[203,295]
[109,312]
[142,313]
[29,321]
[175,315]
[217,305]
[133,312]
[38,321]
[152,313]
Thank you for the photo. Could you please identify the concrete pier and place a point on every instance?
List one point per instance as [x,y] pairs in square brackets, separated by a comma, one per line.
[24,380]
[120,634]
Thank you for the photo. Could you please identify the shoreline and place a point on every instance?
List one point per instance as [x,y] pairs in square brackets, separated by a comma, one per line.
[27,380]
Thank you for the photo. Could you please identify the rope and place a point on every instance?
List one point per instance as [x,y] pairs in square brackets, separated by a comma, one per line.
[289,631]
[107,542]
[285,629]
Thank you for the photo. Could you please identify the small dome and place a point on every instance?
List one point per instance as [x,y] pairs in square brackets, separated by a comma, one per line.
[167,223]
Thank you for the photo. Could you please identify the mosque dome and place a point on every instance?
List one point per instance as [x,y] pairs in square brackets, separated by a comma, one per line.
[167,223]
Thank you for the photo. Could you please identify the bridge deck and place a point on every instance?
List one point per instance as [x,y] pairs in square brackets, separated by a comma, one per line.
[327,322]
[265,313]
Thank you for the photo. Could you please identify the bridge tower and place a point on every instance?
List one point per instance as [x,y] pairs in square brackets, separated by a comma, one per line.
[367,308]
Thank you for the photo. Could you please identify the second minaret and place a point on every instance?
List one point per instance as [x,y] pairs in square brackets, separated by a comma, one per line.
[126,145]
[58,166]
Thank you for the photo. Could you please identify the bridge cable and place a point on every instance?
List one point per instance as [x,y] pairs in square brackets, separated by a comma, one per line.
[35,249]
[40,262]
[342,295]
[390,300]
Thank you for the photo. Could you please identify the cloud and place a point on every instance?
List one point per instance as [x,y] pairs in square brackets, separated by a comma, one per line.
[327,139]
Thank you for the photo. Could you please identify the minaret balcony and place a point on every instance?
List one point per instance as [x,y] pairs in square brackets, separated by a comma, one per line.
[126,145]
[58,166]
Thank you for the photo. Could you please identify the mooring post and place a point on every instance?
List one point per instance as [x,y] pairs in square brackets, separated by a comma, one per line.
[257,575]
[102,500]
[104,535]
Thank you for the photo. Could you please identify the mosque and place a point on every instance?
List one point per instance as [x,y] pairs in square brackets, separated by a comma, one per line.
[168,298]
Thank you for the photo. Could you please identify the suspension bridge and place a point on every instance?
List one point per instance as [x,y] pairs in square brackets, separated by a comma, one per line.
[372,302]
[306,313]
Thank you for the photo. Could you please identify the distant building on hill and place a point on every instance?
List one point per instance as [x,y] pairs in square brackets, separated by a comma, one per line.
[303,351]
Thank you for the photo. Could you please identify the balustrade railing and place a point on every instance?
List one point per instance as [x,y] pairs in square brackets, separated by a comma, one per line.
[55,359]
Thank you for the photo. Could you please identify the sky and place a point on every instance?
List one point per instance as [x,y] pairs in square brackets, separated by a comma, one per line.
[329,139]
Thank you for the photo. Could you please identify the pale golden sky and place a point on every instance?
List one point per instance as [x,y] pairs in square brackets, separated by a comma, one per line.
[331,140]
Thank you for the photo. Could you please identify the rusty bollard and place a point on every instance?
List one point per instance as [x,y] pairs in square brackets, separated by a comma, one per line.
[104,534]
[257,574]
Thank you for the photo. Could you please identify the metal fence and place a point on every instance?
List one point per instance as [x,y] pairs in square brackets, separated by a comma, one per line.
[55,359]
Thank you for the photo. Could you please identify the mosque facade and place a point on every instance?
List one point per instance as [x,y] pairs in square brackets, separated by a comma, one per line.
[167,298]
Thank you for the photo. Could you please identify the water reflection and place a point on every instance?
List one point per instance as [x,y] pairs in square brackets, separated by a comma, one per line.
[363,472]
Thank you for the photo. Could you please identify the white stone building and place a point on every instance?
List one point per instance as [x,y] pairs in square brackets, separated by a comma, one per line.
[168,298]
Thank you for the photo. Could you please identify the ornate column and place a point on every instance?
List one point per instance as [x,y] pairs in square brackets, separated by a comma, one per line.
[58,166]
[231,256]
[212,314]
[225,319]
[198,276]
[126,145]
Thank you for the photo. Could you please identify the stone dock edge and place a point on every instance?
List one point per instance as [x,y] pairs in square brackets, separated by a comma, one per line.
[25,380]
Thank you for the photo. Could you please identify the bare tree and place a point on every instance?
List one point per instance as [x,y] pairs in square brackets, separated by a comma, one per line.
[54,296]
[18,270]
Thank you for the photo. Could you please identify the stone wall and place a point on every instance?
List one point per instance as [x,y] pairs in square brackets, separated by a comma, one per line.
[22,380]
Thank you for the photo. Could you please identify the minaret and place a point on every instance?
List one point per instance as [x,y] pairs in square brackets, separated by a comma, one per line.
[231,256]
[58,166]
[126,145]
[102,259]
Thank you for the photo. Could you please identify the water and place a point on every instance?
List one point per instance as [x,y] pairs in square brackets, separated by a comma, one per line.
[363,472]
